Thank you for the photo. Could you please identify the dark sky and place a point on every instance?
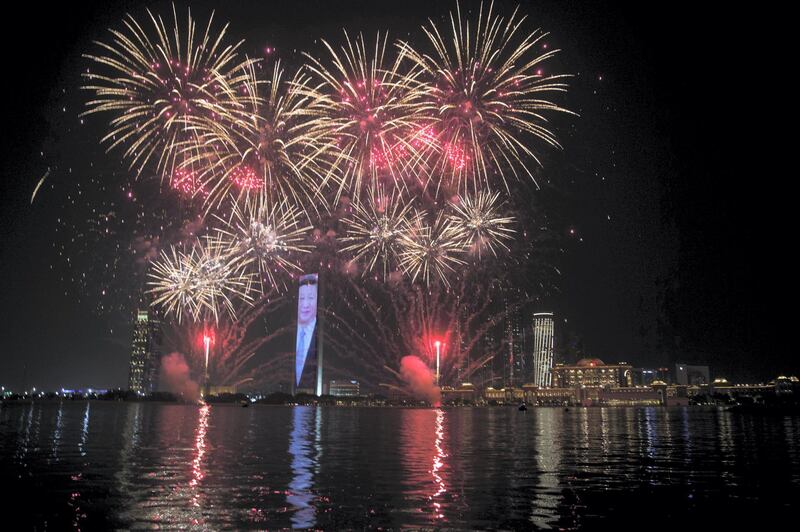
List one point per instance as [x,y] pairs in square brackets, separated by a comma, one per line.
[681,237]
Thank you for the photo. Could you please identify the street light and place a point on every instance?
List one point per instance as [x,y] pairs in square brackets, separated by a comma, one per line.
[438,344]
[208,339]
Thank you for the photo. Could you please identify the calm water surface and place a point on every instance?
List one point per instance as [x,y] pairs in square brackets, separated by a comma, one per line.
[145,465]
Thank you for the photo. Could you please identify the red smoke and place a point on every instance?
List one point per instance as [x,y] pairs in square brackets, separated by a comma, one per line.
[175,376]
[419,378]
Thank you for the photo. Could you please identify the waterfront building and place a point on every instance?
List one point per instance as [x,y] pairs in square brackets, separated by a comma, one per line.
[346,388]
[145,358]
[463,393]
[537,396]
[504,395]
[592,372]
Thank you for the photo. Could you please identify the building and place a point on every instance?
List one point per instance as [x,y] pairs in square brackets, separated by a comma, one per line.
[145,353]
[465,393]
[646,376]
[629,396]
[543,332]
[688,375]
[348,388]
[592,372]
[550,396]
[515,368]
[504,395]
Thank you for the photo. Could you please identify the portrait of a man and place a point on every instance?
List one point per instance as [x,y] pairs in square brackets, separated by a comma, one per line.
[305,342]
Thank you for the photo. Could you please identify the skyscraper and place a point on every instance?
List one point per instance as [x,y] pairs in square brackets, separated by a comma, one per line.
[542,348]
[145,353]
[514,366]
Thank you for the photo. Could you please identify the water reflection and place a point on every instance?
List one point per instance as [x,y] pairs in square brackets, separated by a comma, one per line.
[547,496]
[142,465]
[424,454]
[57,431]
[438,464]
[200,450]
[300,495]
[85,429]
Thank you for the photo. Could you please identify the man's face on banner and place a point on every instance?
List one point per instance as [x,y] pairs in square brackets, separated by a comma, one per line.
[307,306]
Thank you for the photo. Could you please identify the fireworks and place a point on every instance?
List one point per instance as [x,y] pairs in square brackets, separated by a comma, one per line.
[479,218]
[375,227]
[185,181]
[199,282]
[269,146]
[266,234]
[358,122]
[432,251]
[160,86]
[487,96]
[369,109]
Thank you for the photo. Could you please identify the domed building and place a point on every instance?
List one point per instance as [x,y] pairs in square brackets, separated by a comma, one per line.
[590,362]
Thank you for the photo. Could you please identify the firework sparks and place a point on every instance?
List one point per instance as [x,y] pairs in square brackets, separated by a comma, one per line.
[487,97]
[200,282]
[375,227]
[369,109]
[269,235]
[185,181]
[431,251]
[479,218]
[246,178]
[160,86]
[270,146]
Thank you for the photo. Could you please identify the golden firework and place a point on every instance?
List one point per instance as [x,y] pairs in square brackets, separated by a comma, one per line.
[267,235]
[159,84]
[487,98]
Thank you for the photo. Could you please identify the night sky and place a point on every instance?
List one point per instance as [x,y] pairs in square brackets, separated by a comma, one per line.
[676,235]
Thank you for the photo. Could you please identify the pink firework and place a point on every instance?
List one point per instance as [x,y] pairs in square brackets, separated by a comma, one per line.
[246,178]
[369,105]
[185,181]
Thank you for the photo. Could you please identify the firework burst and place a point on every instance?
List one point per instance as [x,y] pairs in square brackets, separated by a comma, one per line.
[432,251]
[269,148]
[375,227]
[201,282]
[478,217]
[370,108]
[487,98]
[269,235]
[160,84]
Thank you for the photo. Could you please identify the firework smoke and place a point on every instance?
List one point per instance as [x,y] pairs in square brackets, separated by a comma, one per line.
[420,380]
[176,377]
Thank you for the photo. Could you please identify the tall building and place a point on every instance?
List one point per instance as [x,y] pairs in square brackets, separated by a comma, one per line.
[145,353]
[514,368]
[543,332]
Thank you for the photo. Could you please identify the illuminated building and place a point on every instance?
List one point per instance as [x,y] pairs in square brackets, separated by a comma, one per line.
[221,390]
[646,376]
[464,393]
[543,328]
[592,372]
[344,388]
[504,395]
[515,368]
[550,396]
[145,353]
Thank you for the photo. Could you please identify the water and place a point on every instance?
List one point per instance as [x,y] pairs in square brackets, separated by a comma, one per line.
[101,464]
